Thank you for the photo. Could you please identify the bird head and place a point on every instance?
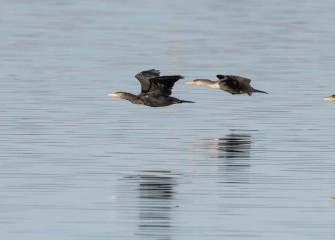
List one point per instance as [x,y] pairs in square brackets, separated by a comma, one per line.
[330,98]
[116,94]
[193,82]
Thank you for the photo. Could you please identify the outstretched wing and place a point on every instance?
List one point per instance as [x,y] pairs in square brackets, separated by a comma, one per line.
[244,84]
[233,77]
[154,84]
[144,78]
[163,85]
[237,83]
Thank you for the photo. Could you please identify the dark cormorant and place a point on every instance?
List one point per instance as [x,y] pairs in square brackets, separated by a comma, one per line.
[229,83]
[156,90]
[330,98]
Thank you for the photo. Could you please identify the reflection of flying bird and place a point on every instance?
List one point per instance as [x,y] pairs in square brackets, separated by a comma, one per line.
[156,191]
[157,186]
[156,90]
[229,83]
[233,153]
[234,146]
[330,98]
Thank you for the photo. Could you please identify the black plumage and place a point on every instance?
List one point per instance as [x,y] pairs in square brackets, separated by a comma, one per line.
[155,90]
[236,85]
[229,83]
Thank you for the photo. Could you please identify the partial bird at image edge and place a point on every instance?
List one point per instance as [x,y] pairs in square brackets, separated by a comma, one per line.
[330,98]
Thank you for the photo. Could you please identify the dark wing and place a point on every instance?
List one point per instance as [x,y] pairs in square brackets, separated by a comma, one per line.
[237,83]
[154,84]
[233,77]
[240,79]
[220,76]
[144,78]
[244,84]
[163,85]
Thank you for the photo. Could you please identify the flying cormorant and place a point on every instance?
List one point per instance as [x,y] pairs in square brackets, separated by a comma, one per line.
[229,83]
[156,90]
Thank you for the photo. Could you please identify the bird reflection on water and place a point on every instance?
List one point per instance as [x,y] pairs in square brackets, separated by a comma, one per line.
[156,191]
[234,146]
[230,154]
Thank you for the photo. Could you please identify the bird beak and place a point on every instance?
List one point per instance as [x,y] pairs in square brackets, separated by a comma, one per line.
[190,83]
[115,95]
[329,99]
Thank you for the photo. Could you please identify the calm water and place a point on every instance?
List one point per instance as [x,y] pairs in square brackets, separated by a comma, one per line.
[76,164]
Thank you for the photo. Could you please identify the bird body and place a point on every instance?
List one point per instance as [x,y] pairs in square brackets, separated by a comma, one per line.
[162,101]
[228,83]
[155,90]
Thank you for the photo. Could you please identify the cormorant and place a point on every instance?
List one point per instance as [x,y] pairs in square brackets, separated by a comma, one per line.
[330,98]
[229,83]
[155,92]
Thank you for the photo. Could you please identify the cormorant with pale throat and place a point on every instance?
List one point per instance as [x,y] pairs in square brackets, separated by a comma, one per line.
[229,83]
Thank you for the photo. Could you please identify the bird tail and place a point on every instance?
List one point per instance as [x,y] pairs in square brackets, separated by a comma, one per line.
[256,90]
[185,101]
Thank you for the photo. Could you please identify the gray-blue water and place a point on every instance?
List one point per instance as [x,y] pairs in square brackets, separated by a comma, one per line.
[77,164]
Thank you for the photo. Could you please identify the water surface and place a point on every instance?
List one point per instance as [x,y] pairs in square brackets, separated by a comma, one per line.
[76,164]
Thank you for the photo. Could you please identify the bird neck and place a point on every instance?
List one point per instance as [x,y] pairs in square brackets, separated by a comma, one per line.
[131,98]
[208,83]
